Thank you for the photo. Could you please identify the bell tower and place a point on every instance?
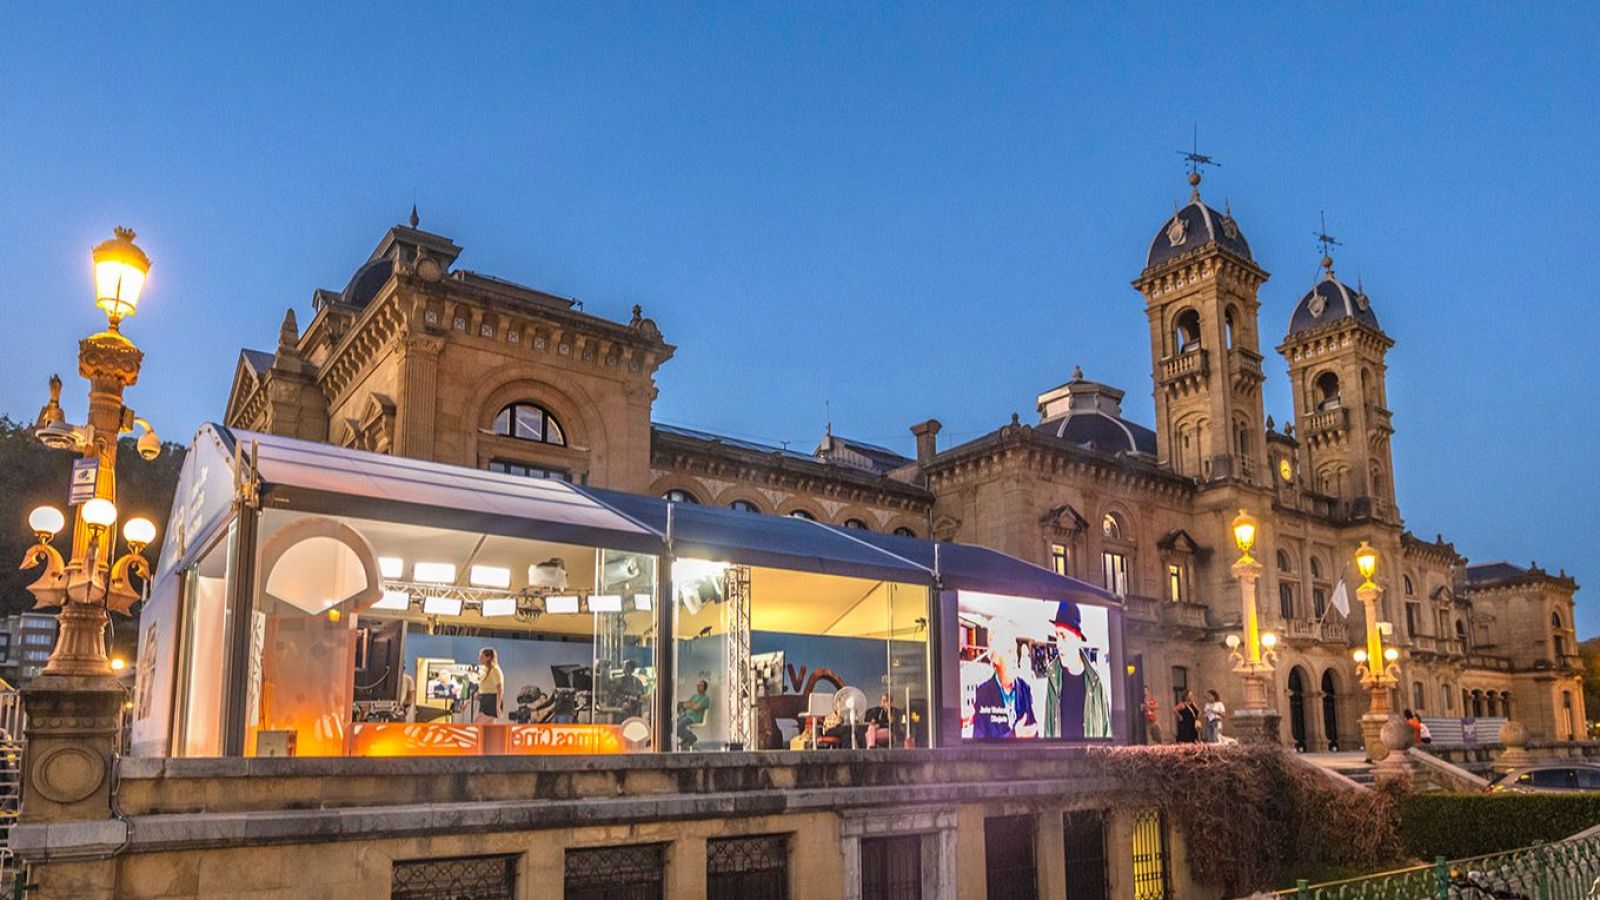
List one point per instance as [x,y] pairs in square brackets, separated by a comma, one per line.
[1336,352]
[1199,285]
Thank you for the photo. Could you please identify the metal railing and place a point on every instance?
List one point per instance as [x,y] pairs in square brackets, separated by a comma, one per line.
[1563,870]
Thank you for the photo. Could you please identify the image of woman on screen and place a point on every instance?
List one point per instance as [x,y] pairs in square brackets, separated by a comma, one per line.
[1003,706]
[1075,704]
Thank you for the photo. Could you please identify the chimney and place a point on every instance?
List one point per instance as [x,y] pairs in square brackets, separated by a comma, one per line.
[927,434]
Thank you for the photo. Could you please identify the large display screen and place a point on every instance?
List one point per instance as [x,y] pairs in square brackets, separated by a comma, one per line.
[1034,669]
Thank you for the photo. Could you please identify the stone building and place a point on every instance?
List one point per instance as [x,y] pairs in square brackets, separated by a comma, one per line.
[418,357]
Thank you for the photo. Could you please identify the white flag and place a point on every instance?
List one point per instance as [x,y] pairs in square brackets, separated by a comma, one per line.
[1341,600]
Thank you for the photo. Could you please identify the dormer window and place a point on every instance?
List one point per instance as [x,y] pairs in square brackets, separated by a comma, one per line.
[529,422]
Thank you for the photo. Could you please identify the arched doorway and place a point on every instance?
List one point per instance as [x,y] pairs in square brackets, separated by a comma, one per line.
[1330,709]
[1297,708]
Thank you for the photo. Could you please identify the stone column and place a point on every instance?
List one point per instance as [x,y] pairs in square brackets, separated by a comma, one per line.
[419,370]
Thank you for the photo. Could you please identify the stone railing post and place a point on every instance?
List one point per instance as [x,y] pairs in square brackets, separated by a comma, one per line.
[1514,738]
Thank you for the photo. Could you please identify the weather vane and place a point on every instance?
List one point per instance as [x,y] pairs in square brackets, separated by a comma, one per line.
[1196,159]
[1327,242]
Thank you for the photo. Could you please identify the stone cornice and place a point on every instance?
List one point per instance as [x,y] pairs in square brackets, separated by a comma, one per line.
[1207,263]
[1440,551]
[1334,336]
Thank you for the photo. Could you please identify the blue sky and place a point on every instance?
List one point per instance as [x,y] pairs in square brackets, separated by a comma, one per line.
[904,210]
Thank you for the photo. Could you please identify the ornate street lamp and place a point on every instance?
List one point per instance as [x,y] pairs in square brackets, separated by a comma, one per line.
[1252,656]
[1376,665]
[89,585]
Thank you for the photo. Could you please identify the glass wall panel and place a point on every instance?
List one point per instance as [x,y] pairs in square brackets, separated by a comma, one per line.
[772,658]
[384,638]
[204,598]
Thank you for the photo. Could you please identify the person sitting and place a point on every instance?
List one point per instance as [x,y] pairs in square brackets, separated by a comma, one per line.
[883,724]
[692,712]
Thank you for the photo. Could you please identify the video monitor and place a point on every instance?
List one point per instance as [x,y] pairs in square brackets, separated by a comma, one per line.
[1034,669]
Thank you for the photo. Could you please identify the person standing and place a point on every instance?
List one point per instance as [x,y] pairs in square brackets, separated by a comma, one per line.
[692,712]
[1188,713]
[1075,698]
[1215,712]
[491,688]
[1152,717]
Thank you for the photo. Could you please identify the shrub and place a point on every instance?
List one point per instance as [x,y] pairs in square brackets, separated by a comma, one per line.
[1460,825]
[1248,813]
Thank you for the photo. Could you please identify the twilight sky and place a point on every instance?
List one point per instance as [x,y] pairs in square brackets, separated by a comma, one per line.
[904,210]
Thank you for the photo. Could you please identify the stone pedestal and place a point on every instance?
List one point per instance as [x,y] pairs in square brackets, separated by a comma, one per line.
[72,743]
[1372,736]
[1514,738]
[1254,726]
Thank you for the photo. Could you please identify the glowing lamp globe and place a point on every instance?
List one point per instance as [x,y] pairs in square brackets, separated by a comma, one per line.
[1269,640]
[120,268]
[46,521]
[118,664]
[1359,656]
[139,531]
[1244,531]
[100,513]
[1391,654]
[1366,560]
[1232,641]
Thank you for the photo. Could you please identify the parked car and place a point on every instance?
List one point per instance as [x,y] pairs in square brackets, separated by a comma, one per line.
[1548,777]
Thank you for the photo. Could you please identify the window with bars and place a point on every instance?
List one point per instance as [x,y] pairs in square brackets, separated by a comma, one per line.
[630,872]
[481,877]
[1085,847]
[891,867]
[748,868]
[1150,879]
[526,470]
[1011,872]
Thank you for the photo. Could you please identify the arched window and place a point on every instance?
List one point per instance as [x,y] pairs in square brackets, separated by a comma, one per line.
[677,495]
[743,506]
[856,524]
[1448,697]
[1186,331]
[1410,588]
[529,422]
[1461,635]
[1327,391]
[1558,636]
[1227,320]
[802,514]
[1284,563]
[1316,567]
[905,532]
[1111,527]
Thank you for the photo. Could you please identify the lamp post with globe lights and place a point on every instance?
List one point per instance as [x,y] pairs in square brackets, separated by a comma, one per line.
[1253,655]
[75,705]
[89,585]
[1377,666]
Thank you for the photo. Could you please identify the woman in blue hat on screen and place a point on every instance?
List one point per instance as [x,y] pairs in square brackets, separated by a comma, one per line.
[1075,704]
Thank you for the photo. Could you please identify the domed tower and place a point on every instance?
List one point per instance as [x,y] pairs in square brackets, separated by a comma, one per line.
[1336,351]
[1199,284]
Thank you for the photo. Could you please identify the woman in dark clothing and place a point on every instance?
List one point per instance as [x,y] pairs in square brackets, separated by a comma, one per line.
[1188,715]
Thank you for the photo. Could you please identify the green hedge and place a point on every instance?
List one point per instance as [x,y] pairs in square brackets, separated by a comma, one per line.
[1460,825]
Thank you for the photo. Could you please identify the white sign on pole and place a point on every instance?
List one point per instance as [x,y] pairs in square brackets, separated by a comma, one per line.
[85,472]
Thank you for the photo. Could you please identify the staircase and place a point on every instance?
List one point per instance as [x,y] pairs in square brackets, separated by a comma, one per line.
[1353,766]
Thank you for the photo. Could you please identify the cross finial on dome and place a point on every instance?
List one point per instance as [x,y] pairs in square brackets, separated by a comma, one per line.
[1327,242]
[1196,159]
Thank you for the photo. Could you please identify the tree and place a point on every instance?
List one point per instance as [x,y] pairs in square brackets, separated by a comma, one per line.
[32,474]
